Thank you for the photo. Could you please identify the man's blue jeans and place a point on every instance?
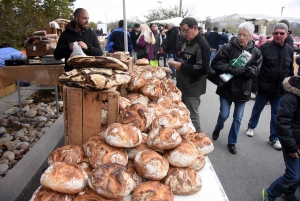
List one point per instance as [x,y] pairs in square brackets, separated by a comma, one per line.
[237,118]
[288,182]
[213,53]
[171,67]
[258,107]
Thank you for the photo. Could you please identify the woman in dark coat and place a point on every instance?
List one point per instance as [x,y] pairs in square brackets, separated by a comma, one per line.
[288,131]
[238,89]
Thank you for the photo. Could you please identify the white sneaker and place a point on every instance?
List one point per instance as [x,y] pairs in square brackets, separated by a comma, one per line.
[250,132]
[276,144]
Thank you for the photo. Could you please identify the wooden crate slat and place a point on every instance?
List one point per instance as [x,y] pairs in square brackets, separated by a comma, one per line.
[113,107]
[74,112]
[65,109]
[91,114]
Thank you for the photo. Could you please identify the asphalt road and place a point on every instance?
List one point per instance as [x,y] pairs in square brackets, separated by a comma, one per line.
[255,166]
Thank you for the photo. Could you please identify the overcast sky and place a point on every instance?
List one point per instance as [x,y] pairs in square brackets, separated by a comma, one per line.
[112,10]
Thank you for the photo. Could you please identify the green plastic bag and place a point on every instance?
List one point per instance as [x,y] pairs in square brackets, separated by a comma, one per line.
[153,62]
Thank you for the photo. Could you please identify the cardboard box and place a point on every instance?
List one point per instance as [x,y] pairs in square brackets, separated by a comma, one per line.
[50,30]
[37,50]
[8,89]
[82,113]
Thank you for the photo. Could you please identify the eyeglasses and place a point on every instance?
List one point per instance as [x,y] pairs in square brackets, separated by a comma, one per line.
[277,33]
[185,30]
[244,35]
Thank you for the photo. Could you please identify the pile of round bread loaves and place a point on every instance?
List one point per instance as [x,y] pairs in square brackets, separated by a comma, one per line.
[152,152]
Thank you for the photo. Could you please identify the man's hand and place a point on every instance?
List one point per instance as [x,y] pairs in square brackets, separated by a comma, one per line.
[295,155]
[175,64]
[83,45]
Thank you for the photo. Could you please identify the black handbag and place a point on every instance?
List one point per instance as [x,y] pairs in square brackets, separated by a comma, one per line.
[215,78]
[142,52]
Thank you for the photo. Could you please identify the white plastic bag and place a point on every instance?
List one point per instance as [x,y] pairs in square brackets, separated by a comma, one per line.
[77,50]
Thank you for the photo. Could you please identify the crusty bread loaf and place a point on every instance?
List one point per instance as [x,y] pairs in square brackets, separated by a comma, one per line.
[64,178]
[157,72]
[199,163]
[182,156]
[139,80]
[150,165]
[91,195]
[163,138]
[102,153]
[92,143]
[132,152]
[131,170]
[124,102]
[46,194]
[202,142]
[142,61]
[67,153]
[138,98]
[121,135]
[183,181]
[168,121]
[111,181]
[85,165]
[152,191]
[156,109]
[152,89]
[136,115]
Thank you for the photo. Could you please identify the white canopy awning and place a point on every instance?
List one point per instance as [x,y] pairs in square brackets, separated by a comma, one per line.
[176,21]
[256,17]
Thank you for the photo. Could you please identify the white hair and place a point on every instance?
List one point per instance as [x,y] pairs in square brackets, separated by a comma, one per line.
[247,26]
[281,26]
[171,24]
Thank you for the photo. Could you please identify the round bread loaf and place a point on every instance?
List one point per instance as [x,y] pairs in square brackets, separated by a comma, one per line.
[64,178]
[93,142]
[199,163]
[157,72]
[132,152]
[123,103]
[202,142]
[182,156]
[153,190]
[183,181]
[150,165]
[142,61]
[168,121]
[163,138]
[136,115]
[156,109]
[134,175]
[90,195]
[152,89]
[44,194]
[111,181]
[139,80]
[120,135]
[135,98]
[68,153]
[85,165]
[106,154]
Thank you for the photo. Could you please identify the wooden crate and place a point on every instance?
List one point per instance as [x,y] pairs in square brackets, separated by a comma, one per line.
[82,113]
[8,89]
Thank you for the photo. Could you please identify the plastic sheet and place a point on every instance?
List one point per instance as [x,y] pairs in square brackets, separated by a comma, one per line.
[44,75]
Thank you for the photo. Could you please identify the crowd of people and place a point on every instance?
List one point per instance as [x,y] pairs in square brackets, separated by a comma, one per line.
[192,55]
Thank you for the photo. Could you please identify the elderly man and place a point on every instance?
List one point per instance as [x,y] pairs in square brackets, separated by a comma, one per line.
[77,30]
[277,64]
[171,42]
[192,67]
[135,34]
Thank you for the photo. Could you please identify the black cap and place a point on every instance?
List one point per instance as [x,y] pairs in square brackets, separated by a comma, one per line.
[136,25]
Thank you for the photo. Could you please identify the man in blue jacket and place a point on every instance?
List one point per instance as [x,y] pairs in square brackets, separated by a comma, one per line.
[116,40]
[77,30]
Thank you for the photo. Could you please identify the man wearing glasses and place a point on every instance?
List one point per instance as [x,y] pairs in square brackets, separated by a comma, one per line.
[191,68]
[277,64]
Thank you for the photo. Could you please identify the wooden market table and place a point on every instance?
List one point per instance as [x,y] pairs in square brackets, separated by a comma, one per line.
[44,76]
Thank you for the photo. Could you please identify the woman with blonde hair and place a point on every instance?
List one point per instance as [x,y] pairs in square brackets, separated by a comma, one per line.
[144,43]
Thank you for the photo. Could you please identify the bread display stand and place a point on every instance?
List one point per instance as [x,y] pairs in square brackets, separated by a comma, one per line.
[82,113]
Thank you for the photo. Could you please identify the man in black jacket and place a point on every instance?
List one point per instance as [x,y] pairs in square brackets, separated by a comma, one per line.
[192,67]
[277,64]
[171,42]
[288,127]
[135,34]
[77,30]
